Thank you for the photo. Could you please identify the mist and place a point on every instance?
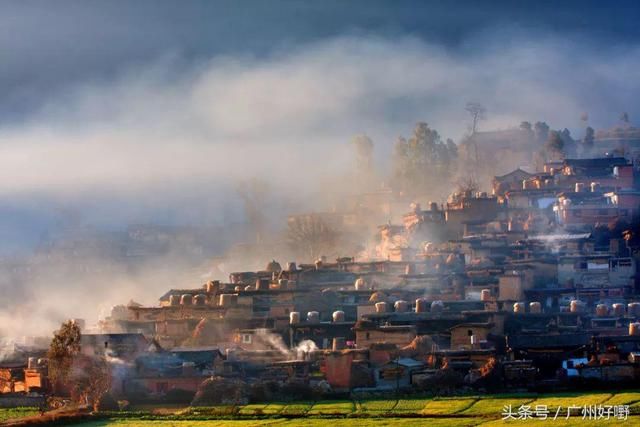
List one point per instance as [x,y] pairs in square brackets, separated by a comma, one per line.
[166,141]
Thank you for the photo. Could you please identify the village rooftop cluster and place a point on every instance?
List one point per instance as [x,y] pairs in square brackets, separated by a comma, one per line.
[533,285]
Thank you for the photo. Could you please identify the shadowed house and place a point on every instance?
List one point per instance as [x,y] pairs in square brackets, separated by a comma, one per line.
[470,209]
[513,284]
[547,351]
[398,373]
[322,333]
[584,210]
[614,172]
[598,272]
[122,346]
[469,335]
[368,333]
[622,138]
[511,181]
[180,368]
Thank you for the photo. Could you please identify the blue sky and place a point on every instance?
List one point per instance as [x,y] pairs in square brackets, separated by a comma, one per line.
[44,48]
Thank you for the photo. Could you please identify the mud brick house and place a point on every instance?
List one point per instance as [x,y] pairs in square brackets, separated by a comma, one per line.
[126,346]
[398,373]
[508,182]
[162,371]
[584,212]
[599,271]
[12,377]
[367,334]
[470,209]
[469,335]
[610,172]
[513,284]
[321,333]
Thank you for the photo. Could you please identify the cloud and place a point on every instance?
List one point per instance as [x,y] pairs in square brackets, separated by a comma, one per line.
[177,122]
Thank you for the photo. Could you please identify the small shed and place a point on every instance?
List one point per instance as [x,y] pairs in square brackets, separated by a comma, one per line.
[398,373]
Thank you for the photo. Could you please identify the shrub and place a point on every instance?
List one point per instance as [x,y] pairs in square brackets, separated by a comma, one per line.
[264,391]
[107,402]
[297,390]
[443,382]
[221,391]
[177,395]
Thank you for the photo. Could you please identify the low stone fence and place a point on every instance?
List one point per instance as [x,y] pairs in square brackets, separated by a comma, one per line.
[15,401]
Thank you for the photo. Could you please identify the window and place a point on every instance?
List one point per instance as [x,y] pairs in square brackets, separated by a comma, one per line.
[246,338]
[580,265]
[367,335]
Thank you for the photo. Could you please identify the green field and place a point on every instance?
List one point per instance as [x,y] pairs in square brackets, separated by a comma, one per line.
[353,422]
[13,413]
[465,411]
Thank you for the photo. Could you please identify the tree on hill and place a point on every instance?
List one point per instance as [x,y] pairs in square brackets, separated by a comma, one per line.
[421,160]
[526,126]
[588,140]
[254,193]
[477,112]
[364,172]
[554,147]
[541,132]
[86,378]
[64,348]
[569,144]
[624,117]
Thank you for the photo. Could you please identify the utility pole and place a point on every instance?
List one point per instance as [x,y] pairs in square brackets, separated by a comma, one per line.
[397,377]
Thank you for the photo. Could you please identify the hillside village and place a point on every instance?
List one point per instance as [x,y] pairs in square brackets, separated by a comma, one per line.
[531,284]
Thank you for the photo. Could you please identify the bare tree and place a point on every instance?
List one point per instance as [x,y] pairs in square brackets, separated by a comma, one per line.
[364,159]
[91,380]
[467,184]
[254,193]
[311,235]
[477,112]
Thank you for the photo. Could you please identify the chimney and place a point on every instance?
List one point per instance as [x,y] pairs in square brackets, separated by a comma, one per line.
[338,344]
[188,369]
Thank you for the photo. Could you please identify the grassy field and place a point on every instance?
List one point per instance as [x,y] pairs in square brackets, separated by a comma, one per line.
[481,410]
[12,413]
[351,422]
